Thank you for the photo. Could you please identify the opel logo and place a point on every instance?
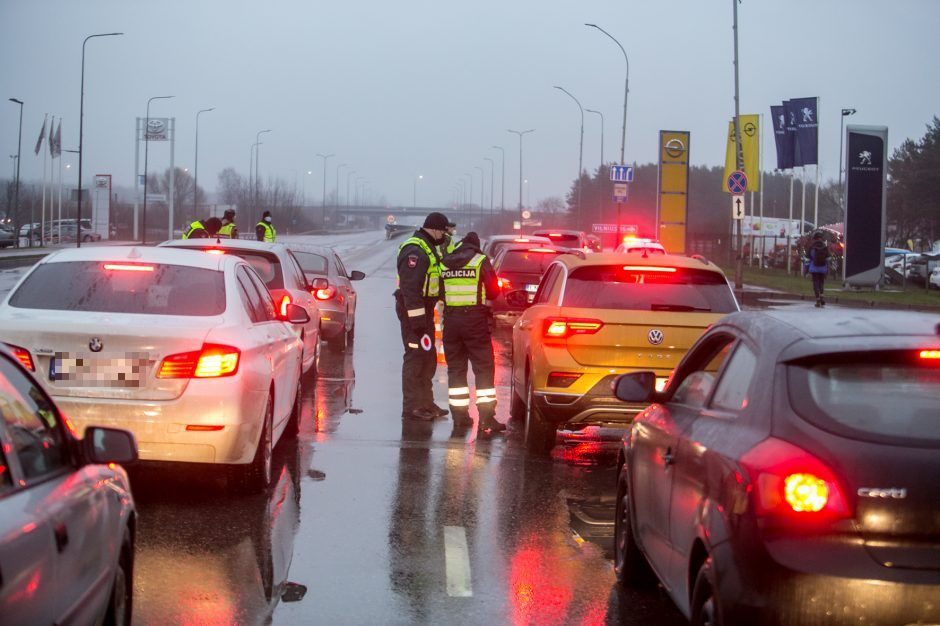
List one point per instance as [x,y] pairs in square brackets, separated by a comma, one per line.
[750,129]
[674,148]
[655,337]
[155,126]
[95,344]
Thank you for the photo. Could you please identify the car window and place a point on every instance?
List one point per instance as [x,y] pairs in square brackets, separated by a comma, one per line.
[340,267]
[547,285]
[145,288]
[245,299]
[32,424]
[256,304]
[642,288]
[526,261]
[568,240]
[698,383]
[731,394]
[312,263]
[267,303]
[294,274]
[266,264]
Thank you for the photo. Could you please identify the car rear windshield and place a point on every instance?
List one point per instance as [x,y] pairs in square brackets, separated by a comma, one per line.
[642,249]
[526,261]
[564,239]
[876,396]
[649,289]
[312,263]
[266,264]
[122,288]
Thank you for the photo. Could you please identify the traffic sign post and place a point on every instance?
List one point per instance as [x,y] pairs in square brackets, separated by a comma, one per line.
[620,192]
[737,183]
[737,207]
[621,173]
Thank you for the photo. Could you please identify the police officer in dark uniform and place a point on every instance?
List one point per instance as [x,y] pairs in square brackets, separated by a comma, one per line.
[470,283]
[418,291]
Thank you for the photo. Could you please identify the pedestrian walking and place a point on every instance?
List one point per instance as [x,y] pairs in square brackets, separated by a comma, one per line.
[470,283]
[818,265]
[264,230]
[419,289]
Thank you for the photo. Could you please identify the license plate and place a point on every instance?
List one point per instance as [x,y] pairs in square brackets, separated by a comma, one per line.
[531,288]
[77,370]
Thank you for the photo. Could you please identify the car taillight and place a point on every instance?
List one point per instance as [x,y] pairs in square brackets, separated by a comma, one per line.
[930,355]
[213,361]
[504,284]
[285,302]
[649,268]
[126,267]
[562,379]
[793,485]
[564,327]
[324,294]
[23,355]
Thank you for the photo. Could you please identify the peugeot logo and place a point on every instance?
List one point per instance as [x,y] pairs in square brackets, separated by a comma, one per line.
[674,148]
[655,337]
[95,345]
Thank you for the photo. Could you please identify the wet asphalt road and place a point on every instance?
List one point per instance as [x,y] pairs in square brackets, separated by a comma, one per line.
[377,521]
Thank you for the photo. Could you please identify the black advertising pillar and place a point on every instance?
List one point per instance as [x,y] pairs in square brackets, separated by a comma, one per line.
[866,188]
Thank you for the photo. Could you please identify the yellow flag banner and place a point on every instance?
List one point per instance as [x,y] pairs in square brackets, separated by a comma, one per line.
[750,146]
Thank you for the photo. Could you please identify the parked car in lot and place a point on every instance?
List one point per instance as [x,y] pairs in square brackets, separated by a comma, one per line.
[789,472]
[599,316]
[283,277]
[67,516]
[184,349]
[522,269]
[7,237]
[337,300]
[495,244]
[69,233]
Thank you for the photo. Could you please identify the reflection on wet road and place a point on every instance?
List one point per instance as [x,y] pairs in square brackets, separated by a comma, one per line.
[375,520]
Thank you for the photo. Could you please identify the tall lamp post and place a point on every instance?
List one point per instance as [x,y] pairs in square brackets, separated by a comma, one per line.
[143,217]
[492,181]
[845,113]
[580,152]
[196,167]
[81,126]
[348,175]
[338,168]
[16,192]
[257,147]
[482,195]
[414,197]
[626,90]
[325,157]
[502,180]
[602,131]
[521,133]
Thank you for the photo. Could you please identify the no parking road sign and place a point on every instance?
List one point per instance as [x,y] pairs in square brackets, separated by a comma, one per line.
[737,182]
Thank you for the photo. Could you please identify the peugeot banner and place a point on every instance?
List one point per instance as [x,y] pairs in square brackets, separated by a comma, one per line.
[784,148]
[793,145]
[807,128]
[865,195]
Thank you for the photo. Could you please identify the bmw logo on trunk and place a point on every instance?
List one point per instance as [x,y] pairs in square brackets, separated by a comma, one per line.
[655,336]
[95,345]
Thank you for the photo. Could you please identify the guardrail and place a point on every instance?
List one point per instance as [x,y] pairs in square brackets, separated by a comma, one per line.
[394,230]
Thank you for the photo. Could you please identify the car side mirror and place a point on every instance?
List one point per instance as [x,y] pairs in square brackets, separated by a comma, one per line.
[109,445]
[319,283]
[518,299]
[357,275]
[296,314]
[635,387]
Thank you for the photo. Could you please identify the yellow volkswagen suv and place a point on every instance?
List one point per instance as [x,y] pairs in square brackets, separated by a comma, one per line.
[595,318]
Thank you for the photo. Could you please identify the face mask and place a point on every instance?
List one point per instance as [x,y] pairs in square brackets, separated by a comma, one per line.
[268,220]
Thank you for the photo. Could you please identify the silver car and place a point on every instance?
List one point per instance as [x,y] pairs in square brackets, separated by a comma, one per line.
[67,517]
[338,300]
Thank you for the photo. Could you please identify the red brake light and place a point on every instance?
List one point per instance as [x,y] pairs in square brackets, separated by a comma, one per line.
[930,355]
[564,327]
[554,234]
[324,294]
[213,361]
[284,302]
[648,268]
[23,356]
[123,267]
[791,484]
[541,250]
[562,379]
[503,283]
[215,251]
[521,240]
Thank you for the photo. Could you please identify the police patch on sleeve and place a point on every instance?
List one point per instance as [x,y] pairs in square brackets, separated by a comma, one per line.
[413,260]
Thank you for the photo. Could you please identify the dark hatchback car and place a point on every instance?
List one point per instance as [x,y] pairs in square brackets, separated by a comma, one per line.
[790,472]
[521,269]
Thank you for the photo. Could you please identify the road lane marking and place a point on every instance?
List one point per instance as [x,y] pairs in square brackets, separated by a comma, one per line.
[457,562]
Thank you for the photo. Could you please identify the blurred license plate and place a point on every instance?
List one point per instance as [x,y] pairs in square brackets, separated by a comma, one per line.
[531,288]
[123,371]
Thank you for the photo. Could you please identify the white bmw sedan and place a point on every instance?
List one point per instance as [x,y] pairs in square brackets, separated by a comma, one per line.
[183,349]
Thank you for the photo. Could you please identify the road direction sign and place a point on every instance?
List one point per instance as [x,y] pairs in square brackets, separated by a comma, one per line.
[737,207]
[737,182]
[621,173]
[620,192]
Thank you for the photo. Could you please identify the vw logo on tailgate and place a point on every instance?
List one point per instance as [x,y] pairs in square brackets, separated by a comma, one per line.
[655,336]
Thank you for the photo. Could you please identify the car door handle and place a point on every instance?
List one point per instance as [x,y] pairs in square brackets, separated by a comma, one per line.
[61,536]
[669,458]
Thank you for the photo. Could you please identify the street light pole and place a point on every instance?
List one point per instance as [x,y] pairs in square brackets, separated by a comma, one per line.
[580,153]
[338,168]
[81,126]
[492,181]
[348,175]
[143,217]
[196,168]
[845,112]
[520,133]
[325,157]
[414,197]
[626,92]
[16,192]
[482,193]
[258,165]
[602,132]
[502,180]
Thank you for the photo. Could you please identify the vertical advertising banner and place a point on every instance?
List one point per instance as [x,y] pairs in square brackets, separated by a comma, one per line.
[805,114]
[750,146]
[865,195]
[784,147]
[672,202]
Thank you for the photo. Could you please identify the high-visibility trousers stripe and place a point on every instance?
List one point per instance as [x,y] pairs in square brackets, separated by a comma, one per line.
[459,402]
[458,391]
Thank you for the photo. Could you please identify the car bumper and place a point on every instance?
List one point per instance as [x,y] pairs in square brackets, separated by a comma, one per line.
[597,406]
[332,321]
[160,427]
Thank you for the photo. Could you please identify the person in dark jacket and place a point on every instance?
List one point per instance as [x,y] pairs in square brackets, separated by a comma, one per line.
[818,256]
[419,288]
[470,283]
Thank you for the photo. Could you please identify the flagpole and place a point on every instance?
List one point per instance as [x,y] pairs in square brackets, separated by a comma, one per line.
[802,198]
[59,223]
[42,217]
[760,161]
[816,201]
[790,228]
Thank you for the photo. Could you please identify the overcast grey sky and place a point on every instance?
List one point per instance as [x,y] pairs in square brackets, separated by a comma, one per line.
[401,88]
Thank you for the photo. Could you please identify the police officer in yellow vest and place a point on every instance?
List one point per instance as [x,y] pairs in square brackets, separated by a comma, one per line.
[203,229]
[418,291]
[469,284]
[450,241]
[229,230]
[264,230]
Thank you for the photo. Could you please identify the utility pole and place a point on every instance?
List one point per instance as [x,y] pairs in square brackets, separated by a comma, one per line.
[16,188]
[845,112]
[520,133]
[196,168]
[738,153]
[580,154]
[502,181]
[325,157]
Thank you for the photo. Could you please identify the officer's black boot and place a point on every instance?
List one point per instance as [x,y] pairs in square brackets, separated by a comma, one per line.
[462,418]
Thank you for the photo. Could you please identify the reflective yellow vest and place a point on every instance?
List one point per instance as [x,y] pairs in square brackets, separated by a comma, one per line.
[432,282]
[462,286]
[227,230]
[270,235]
[193,227]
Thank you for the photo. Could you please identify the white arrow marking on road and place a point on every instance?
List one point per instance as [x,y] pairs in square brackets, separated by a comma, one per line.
[457,562]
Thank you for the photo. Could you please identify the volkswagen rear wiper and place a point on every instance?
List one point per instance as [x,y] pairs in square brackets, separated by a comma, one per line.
[676,307]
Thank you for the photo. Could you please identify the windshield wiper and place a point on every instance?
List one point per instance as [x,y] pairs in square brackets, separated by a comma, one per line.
[676,307]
